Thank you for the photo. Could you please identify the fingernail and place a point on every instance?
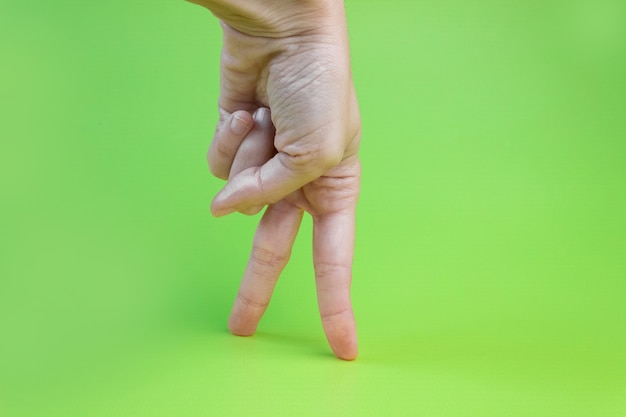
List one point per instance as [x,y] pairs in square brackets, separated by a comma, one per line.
[262,116]
[238,125]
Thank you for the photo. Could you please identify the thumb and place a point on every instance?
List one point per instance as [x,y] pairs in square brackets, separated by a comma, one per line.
[269,183]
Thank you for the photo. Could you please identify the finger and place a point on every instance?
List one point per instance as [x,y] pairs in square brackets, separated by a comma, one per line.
[261,186]
[333,250]
[230,132]
[270,252]
[258,146]
[256,149]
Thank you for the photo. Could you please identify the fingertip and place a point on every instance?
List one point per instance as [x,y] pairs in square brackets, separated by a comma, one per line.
[215,212]
[252,210]
[238,328]
[239,194]
[219,205]
[219,210]
[346,350]
[243,320]
[341,334]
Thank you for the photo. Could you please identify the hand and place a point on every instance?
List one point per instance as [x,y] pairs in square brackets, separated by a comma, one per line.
[298,66]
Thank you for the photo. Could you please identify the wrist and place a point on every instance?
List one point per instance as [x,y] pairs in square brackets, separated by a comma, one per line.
[277,18]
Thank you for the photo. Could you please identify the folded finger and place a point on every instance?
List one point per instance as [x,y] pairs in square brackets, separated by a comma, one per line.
[258,145]
[230,132]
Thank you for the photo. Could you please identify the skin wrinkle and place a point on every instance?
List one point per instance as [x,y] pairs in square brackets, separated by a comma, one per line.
[306,81]
[263,23]
[331,269]
[268,257]
[249,302]
[327,316]
[223,152]
[259,180]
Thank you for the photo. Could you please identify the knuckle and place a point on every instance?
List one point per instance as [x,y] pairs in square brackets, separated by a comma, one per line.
[329,156]
[317,160]
[333,274]
[219,159]
[223,151]
[265,258]
[332,314]
[250,301]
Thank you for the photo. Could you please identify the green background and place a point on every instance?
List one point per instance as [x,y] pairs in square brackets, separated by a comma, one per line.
[490,267]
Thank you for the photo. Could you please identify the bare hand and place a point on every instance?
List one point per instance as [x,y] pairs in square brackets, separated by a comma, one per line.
[312,165]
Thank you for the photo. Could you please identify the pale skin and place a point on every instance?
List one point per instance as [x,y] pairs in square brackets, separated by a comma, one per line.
[290,56]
